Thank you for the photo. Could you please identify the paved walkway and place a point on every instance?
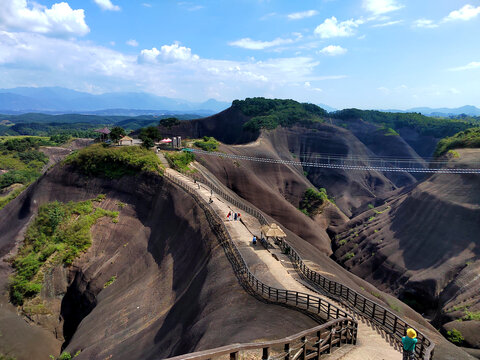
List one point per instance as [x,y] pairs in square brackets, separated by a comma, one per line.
[274,268]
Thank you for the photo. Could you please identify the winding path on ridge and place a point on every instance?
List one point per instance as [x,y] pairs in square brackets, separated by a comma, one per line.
[371,343]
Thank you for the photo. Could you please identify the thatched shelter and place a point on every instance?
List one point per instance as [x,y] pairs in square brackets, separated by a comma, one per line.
[273,230]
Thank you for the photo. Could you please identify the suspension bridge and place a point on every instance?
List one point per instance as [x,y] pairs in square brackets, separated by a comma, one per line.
[360,163]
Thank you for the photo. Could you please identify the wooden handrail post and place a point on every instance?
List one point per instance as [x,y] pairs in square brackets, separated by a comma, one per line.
[234,355]
[304,346]
[319,339]
[330,342]
[265,353]
[286,348]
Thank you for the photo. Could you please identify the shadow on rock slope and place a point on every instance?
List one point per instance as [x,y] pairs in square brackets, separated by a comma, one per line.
[175,291]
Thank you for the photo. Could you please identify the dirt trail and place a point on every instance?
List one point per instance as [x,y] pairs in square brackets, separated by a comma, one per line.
[371,344]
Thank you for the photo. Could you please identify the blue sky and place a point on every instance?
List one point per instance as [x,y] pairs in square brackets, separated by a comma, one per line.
[365,53]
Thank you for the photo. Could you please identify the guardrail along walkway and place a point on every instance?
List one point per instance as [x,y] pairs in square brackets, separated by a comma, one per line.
[260,268]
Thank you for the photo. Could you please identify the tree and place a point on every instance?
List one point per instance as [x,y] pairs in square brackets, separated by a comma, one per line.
[150,132]
[147,143]
[169,122]
[117,133]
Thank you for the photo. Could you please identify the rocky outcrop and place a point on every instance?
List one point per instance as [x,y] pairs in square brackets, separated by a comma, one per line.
[174,290]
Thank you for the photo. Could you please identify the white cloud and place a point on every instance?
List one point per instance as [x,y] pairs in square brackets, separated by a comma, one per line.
[332,28]
[469,66]
[389,23]
[190,6]
[132,42]
[302,14]
[168,53]
[333,50]
[467,12]
[149,55]
[308,86]
[454,91]
[378,7]
[147,5]
[59,20]
[250,44]
[28,59]
[425,23]
[107,5]
[384,90]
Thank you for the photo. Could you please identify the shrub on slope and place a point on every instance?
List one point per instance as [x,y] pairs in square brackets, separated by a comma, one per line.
[466,139]
[59,234]
[114,162]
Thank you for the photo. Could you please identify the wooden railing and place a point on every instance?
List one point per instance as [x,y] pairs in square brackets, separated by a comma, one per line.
[386,320]
[340,327]
[308,344]
[389,322]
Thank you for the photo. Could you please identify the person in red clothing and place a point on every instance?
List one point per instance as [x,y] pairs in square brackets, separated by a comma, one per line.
[409,343]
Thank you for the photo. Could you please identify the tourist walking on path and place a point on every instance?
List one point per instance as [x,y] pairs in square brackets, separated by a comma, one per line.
[409,343]
[235,216]
[254,240]
[238,216]
[228,216]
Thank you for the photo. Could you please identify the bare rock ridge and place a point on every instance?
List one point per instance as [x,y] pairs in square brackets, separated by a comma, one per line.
[175,292]
[423,246]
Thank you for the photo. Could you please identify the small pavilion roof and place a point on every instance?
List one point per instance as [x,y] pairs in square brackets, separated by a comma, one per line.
[126,138]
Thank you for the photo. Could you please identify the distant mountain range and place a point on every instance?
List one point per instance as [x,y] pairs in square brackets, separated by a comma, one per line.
[467,110]
[55,100]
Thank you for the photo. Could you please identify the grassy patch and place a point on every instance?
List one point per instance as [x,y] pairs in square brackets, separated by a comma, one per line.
[472,315]
[110,282]
[59,234]
[342,242]
[180,160]
[371,218]
[453,154]
[349,255]
[370,206]
[455,336]
[4,200]
[394,306]
[6,357]
[114,162]
[207,143]
[384,210]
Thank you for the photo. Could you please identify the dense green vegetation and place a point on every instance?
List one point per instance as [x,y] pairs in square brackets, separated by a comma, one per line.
[148,136]
[114,162]
[424,125]
[79,126]
[270,113]
[313,200]
[455,336]
[58,235]
[180,160]
[79,130]
[207,143]
[466,139]
[22,160]
[169,122]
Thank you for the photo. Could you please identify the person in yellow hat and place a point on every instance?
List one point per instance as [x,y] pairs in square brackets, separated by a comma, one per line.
[409,343]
